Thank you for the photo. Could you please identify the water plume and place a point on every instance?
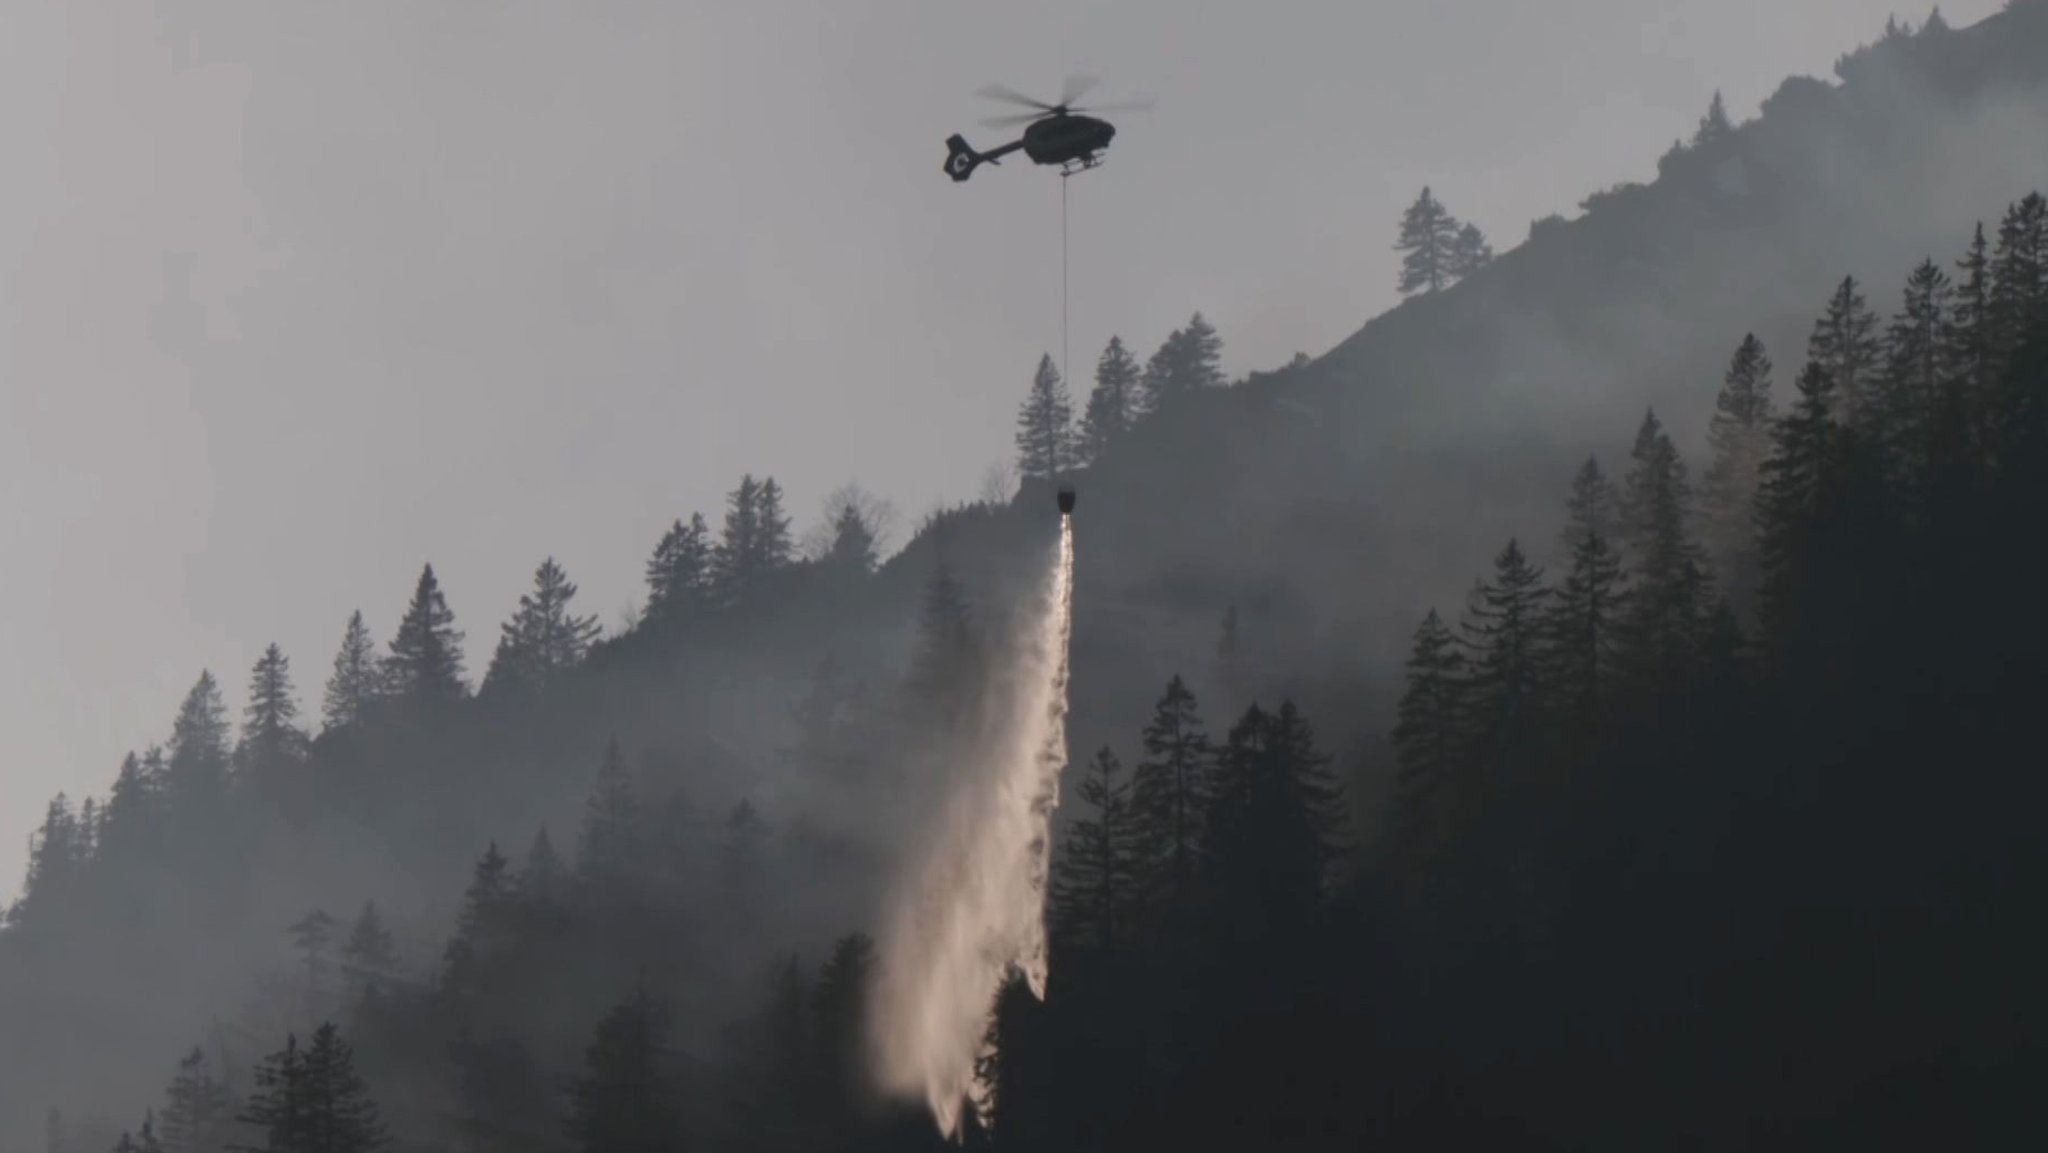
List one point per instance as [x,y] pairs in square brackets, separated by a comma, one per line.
[974,907]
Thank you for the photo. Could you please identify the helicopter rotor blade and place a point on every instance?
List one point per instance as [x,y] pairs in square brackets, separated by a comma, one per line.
[1076,86]
[1012,121]
[1012,96]
[1140,104]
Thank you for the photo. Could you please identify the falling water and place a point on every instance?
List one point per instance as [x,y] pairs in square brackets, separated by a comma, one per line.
[976,907]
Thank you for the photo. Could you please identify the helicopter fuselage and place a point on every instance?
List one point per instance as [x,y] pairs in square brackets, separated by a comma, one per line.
[1066,139]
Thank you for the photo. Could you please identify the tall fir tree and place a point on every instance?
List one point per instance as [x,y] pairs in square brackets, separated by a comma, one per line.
[1796,477]
[2019,270]
[1667,571]
[1189,360]
[1470,252]
[623,1103]
[1171,789]
[1738,439]
[1113,404]
[755,543]
[1429,237]
[199,1112]
[608,852]
[1045,426]
[313,1099]
[196,777]
[1844,342]
[1428,733]
[1582,620]
[1095,878]
[128,835]
[1714,126]
[1972,339]
[1274,827]
[1503,641]
[544,640]
[357,680]
[425,665]
[369,956]
[273,746]
[484,926]
[680,573]
[1917,359]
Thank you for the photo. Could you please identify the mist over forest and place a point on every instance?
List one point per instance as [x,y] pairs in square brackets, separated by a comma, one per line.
[1587,707]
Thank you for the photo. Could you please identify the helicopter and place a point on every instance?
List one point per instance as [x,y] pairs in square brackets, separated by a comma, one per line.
[1055,134]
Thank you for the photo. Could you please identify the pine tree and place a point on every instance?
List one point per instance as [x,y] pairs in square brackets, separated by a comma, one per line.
[1972,339]
[1795,477]
[543,641]
[541,879]
[1667,570]
[2019,270]
[1714,126]
[1581,622]
[196,777]
[198,1111]
[354,687]
[680,573]
[273,746]
[946,665]
[608,852]
[853,548]
[1916,370]
[1095,878]
[1429,728]
[483,926]
[1274,826]
[369,954]
[1429,236]
[840,1009]
[1738,437]
[622,1103]
[1045,421]
[1113,404]
[128,825]
[313,1099]
[755,543]
[1469,252]
[312,935]
[1844,343]
[425,665]
[54,865]
[1503,642]
[1170,789]
[1189,360]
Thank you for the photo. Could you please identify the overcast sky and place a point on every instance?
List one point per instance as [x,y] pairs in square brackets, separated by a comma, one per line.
[295,296]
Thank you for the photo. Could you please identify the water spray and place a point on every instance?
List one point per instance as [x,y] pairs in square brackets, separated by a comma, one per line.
[974,908]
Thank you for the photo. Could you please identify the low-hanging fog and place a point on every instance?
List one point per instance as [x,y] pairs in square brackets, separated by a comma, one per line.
[299,297]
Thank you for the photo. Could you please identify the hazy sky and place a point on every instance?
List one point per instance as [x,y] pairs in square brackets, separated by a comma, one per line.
[476,282]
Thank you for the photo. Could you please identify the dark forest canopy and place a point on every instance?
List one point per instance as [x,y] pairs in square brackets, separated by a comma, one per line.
[1706,814]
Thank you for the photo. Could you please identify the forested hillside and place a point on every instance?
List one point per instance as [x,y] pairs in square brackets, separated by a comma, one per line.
[1701,816]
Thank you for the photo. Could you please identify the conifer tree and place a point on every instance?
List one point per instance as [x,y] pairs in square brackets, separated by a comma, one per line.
[840,1009]
[1666,568]
[854,547]
[609,850]
[1095,877]
[1429,237]
[313,1099]
[1794,479]
[544,640]
[357,679]
[1738,437]
[55,860]
[1190,359]
[755,542]
[1503,641]
[128,826]
[542,878]
[483,925]
[2019,270]
[425,664]
[1170,789]
[622,1103]
[1581,623]
[1972,339]
[1045,426]
[198,1111]
[196,777]
[369,953]
[1274,825]
[945,666]
[680,573]
[1113,404]
[1916,370]
[1714,126]
[1428,730]
[1844,342]
[313,935]
[273,746]
[1469,252]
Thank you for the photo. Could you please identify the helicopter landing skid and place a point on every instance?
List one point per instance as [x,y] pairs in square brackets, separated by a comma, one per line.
[1072,166]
